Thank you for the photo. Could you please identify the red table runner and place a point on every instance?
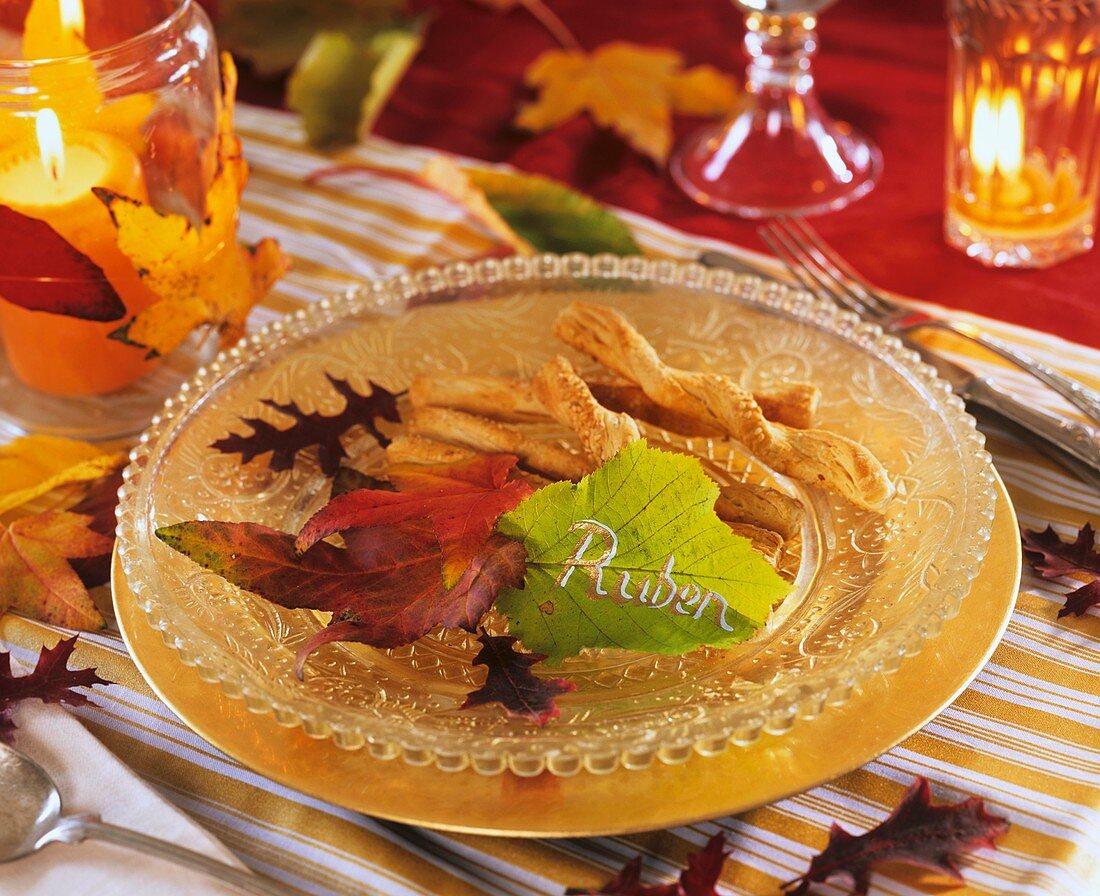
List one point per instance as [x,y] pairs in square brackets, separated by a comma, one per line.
[881,66]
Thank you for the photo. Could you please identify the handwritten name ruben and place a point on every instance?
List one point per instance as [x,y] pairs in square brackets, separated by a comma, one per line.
[656,592]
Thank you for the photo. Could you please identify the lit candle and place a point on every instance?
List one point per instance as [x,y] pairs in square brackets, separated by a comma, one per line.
[50,177]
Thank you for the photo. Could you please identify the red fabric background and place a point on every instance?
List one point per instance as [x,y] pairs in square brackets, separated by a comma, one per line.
[881,66]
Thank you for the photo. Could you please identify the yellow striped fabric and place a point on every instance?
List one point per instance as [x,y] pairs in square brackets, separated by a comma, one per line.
[1025,735]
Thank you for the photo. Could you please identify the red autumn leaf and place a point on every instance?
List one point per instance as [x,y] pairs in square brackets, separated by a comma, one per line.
[311,429]
[699,877]
[512,684]
[98,504]
[916,833]
[45,272]
[463,502]
[35,576]
[50,682]
[1053,558]
[386,589]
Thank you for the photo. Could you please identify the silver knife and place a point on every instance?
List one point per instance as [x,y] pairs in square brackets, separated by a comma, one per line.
[1073,445]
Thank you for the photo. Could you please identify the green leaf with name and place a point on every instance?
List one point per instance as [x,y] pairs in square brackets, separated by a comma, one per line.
[551,216]
[634,556]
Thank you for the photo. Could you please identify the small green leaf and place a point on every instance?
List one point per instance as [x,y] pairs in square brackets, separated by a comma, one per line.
[345,77]
[552,217]
[672,574]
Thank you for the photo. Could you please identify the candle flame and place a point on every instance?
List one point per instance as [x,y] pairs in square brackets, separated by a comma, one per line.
[72,16]
[50,145]
[997,133]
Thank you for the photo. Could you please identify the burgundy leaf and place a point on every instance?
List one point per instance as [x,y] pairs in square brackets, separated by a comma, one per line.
[50,682]
[44,272]
[98,504]
[463,502]
[1053,558]
[313,429]
[512,684]
[916,833]
[386,589]
[699,877]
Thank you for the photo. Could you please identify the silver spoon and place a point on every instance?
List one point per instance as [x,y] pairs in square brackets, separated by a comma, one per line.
[30,817]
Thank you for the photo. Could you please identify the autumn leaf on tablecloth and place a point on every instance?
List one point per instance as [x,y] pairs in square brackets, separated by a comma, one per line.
[385,589]
[98,504]
[916,833]
[461,501]
[200,274]
[31,466]
[699,877]
[1053,558]
[44,272]
[345,77]
[50,682]
[631,89]
[531,213]
[511,683]
[526,212]
[36,578]
[313,429]
[648,515]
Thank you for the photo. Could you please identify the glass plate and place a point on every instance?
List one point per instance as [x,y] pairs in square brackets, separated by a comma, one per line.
[869,588]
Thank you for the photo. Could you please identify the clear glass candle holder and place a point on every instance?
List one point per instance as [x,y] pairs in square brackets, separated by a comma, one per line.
[1022,144]
[95,95]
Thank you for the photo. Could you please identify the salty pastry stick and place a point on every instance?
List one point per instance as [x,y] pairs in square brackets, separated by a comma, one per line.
[763,541]
[479,434]
[512,400]
[603,433]
[816,457]
[419,450]
[745,502]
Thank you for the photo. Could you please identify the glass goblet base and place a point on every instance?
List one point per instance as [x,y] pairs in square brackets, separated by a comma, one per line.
[761,165]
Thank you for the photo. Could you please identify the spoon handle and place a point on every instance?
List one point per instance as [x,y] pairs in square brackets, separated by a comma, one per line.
[75,828]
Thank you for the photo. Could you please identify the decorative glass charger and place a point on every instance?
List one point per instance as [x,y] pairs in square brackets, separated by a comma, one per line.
[869,589]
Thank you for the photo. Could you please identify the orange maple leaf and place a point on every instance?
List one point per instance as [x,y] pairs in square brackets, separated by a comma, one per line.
[631,89]
[201,274]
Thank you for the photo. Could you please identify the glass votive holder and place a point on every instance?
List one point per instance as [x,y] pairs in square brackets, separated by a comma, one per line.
[1022,138]
[119,97]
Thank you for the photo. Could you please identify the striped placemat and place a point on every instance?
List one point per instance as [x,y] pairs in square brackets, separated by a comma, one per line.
[1025,735]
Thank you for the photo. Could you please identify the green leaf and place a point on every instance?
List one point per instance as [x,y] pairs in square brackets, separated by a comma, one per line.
[552,217]
[273,34]
[344,76]
[645,516]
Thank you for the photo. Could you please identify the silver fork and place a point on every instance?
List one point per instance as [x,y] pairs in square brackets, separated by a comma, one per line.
[820,269]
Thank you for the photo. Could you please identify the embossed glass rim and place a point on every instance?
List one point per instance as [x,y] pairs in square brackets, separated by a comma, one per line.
[633,744]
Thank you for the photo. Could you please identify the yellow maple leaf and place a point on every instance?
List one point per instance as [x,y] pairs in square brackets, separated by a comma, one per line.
[631,89]
[200,274]
[31,466]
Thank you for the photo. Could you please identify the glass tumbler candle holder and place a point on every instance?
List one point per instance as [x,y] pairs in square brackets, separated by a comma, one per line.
[95,96]
[1022,144]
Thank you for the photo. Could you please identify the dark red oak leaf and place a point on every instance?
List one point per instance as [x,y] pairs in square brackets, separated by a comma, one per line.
[313,429]
[512,684]
[44,272]
[916,833]
[1053,558]
[50,682]
[386,589]
[699,877]
[463,502]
